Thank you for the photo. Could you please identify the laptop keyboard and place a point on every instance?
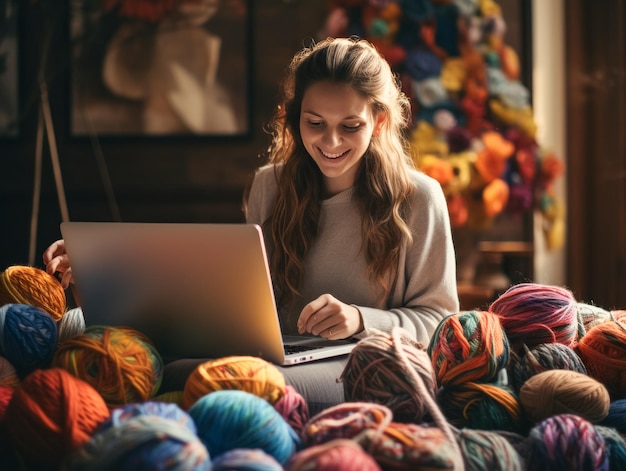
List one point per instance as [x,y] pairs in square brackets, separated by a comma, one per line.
[290,349]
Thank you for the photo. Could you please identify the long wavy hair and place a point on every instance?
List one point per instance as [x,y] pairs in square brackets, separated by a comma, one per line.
[383,183]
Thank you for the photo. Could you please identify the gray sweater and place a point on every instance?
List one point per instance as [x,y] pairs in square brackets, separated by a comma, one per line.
[425,289]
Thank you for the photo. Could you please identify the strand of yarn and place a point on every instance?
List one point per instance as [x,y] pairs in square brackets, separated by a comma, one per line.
[71,324]
[374,373]
[533,313]
[244,373]
[120,362]
[566,441]
[603,351]
[52,413]
[543,357]
[337,454]
[245,459]
[485,450]
[231,419]
[21,284]
[28,337]
[556,392]
[292,406]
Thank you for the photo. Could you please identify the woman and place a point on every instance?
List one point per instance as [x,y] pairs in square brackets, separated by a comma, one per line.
[357,239]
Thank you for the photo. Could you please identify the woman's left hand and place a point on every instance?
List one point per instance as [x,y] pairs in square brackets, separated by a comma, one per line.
[329,318]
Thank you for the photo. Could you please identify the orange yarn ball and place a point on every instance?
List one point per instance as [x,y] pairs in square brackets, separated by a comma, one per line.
[20,284]
[245,373]
[52,413]
[603,352]
[119,362]
[554,392]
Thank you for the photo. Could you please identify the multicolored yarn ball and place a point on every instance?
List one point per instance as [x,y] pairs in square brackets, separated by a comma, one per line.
[469,353]
[121,363]
[293,407]
[71,324]
[245,459]
[21,284]
[231,419]
[556,392]
[619,315]
[485,450]
[161,409]
[142,442]
[615,445]
[244,373]
[28,337]
[533,313]
[616,418]
[375,372]
[52,413]
[543,357]
[590,316]
[335,455]
[566,441]
[8,375]
[603,351]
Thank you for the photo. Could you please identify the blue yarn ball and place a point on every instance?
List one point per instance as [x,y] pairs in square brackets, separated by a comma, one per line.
[616,417]
[230,419]
[167,410]
[243,459]
[28,337]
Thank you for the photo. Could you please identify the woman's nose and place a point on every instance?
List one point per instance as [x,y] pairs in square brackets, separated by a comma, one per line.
[332,138]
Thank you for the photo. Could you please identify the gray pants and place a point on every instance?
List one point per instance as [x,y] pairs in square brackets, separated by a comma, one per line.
[316,381]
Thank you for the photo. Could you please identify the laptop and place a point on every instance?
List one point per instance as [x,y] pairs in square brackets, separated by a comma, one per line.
[195,290]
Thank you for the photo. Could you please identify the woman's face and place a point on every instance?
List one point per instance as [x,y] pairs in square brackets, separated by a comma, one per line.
[336,125]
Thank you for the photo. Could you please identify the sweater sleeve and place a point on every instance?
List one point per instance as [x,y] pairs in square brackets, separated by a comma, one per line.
[425,290]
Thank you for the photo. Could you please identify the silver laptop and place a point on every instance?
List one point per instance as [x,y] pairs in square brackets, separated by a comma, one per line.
[196,290]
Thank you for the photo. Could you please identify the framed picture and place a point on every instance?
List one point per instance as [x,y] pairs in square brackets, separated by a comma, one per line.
[9,106]
[166,68]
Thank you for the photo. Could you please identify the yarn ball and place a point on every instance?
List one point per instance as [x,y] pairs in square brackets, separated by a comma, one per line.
[28,337]
[566,441]
[6,393]
[293,407]
[485,450]
[619,315]
[533,313]
[230,419]
[8,375]
[142,442]
[335,455]
[52,413]
[174,397]
[556,392]
[615,445]
[603,351]
[162,409]
[121,363]
[20,284]
[375,372]
[543,357]
[71,324]
[589,315]
[245,373]
[469,353]
[244,459]
[616,418]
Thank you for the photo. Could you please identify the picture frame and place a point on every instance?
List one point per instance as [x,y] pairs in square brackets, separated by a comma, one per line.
[9,69]
[179,69]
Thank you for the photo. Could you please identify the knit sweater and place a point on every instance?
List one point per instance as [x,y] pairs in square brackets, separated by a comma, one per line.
[425,289]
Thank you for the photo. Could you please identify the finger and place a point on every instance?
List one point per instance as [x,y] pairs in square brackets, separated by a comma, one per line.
[310,315]
[66,279]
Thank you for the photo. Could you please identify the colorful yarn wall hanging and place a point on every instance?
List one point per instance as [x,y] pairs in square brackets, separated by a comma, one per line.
[590,316]
[533,313]
[245,373]
[52,413]
[616,418]
[142,442]
[615,445]
[469,352]
[292,406]
[28,337]
[556,392]
[485,450]
[20,284]
[8,375]
[566,441]
[120,362]
[71,324]
[375,373]
[543,357]
[338,454]
[231,419]
[603,351]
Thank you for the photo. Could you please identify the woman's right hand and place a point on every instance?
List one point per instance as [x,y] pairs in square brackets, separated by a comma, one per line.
[56,261]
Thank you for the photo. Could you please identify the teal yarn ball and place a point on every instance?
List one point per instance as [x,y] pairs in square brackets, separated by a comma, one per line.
[231,419]
[28,337]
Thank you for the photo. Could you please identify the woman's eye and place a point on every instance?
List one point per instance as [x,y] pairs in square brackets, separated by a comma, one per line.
[315,124]
[352,127]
